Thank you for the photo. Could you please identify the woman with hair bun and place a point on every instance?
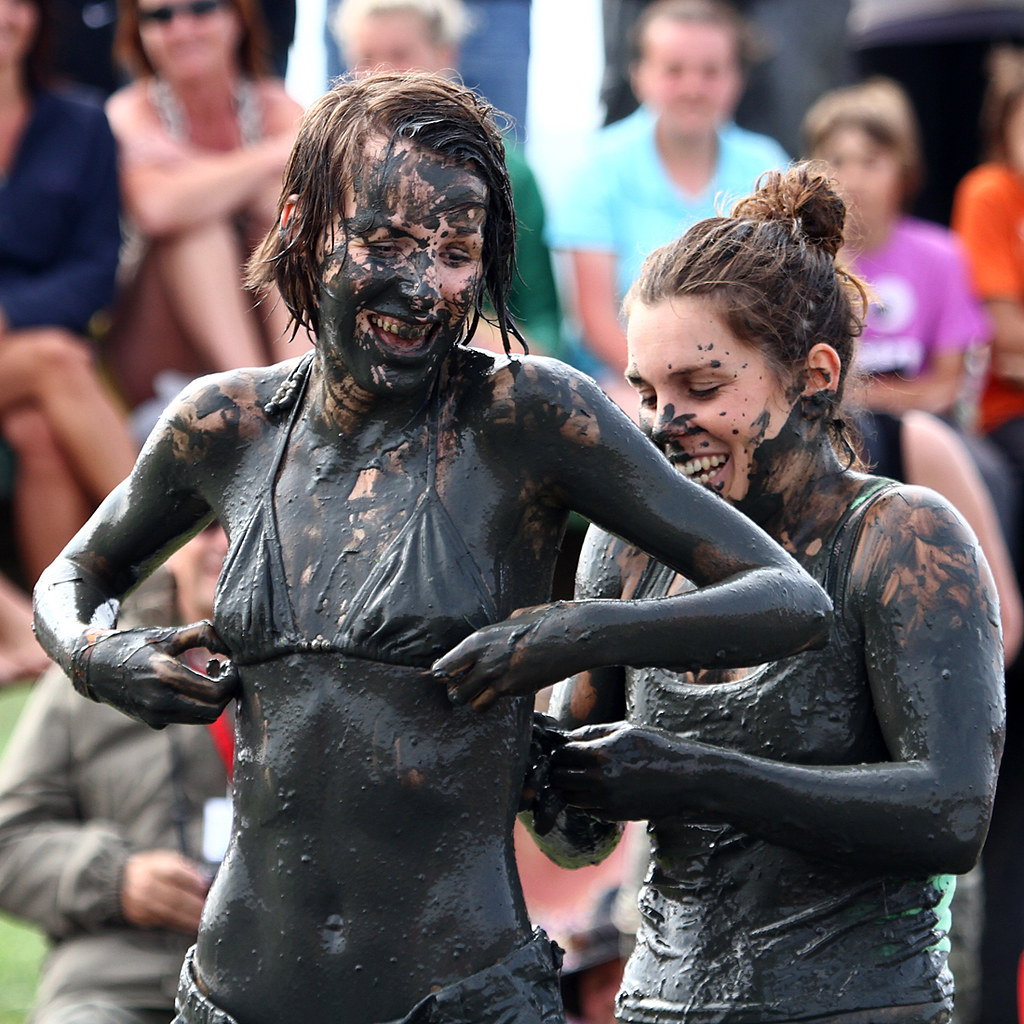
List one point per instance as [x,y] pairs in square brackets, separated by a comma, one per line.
[807,815]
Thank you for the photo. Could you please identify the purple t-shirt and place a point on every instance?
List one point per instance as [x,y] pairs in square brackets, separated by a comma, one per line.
[922,302]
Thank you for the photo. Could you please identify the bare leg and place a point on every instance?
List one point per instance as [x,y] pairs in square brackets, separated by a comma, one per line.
[201,271]
[49,504]
[51,370]
[20,656]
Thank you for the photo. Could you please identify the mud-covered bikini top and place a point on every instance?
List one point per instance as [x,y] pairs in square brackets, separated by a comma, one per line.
[424,594]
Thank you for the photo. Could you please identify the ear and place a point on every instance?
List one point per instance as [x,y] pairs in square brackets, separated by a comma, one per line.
[287,211]
[823,368]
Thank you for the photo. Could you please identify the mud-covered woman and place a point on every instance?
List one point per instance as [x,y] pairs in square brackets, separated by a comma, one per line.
[393,499]
[807,814]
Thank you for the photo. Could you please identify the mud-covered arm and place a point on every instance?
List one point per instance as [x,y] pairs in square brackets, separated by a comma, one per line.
[77,598]
[933,656]
[754,603]
[570,836]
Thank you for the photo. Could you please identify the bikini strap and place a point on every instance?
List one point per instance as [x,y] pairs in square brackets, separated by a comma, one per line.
[844,541]
[289,395]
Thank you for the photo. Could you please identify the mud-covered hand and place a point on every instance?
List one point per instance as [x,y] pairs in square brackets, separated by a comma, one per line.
[142,672]
[531,649]
[620,771]
[538,795]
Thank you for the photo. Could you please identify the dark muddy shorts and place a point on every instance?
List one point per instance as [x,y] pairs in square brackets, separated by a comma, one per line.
[520,989]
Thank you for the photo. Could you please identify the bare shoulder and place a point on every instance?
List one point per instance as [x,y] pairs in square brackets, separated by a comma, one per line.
[915,546]
[129,110]
[547,392]
[223,408]
[281,113]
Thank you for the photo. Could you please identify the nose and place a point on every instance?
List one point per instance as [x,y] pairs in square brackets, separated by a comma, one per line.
[420,282]
[671,424]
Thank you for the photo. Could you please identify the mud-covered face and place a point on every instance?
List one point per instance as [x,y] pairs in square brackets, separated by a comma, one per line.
[401,283]
[707,399]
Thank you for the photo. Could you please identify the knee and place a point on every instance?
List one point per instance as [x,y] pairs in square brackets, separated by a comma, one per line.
[28,433]
[59,352]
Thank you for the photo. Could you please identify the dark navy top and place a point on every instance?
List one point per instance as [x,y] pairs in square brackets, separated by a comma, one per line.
[59,231]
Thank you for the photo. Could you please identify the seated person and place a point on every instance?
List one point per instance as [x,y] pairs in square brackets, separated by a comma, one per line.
[669,164]
[59,240]
[20,656]
[101,829]
[204,134]
[925,317]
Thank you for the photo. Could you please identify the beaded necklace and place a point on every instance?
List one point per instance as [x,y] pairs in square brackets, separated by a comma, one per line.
[247,110]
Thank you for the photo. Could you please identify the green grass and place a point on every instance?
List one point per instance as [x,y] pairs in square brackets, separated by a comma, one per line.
[21,947]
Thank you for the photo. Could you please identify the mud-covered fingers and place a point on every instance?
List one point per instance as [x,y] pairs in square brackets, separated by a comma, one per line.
[198,634]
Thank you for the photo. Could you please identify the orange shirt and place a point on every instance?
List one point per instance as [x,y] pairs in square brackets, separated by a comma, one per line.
[988,214]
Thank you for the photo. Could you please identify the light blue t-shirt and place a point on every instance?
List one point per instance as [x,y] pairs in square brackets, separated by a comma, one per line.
[622,201]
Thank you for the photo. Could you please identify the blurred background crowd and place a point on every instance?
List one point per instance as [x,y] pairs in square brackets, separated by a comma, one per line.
[142,144]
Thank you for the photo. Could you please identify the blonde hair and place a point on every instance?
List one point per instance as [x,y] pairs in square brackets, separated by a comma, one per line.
[447,21]
[883,111]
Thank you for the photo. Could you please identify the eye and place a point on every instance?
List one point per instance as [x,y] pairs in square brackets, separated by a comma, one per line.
[703,391]
[457,257]
[383,247]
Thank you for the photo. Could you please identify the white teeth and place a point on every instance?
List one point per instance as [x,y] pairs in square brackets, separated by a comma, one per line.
[700,468]
[402,330]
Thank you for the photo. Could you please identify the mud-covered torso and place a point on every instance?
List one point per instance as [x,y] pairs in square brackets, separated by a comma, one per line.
[371,857]
[395,553]
[736,929]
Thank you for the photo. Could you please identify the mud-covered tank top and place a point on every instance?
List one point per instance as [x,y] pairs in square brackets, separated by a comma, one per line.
[401,612]
[737,930]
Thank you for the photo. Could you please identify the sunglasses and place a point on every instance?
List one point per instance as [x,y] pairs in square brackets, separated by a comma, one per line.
[167,13]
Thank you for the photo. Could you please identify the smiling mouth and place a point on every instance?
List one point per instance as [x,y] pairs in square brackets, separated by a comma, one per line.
[702,467]
[399,336]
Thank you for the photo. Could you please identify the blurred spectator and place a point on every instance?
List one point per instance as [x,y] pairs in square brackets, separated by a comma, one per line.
[988,212]
[924,317]
[494,54]
[204,135]
[425,35]
[989,215]
[924,320]
[21,657]
[937,50]
[84,40]
[102,829]
[59,241]
[592,969]
[669,164]
[797,58]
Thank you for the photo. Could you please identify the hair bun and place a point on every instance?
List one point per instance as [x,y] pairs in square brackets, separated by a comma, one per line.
[804,197]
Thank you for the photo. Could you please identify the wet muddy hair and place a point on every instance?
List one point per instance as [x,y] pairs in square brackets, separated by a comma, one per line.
[770,268]
[438,115]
